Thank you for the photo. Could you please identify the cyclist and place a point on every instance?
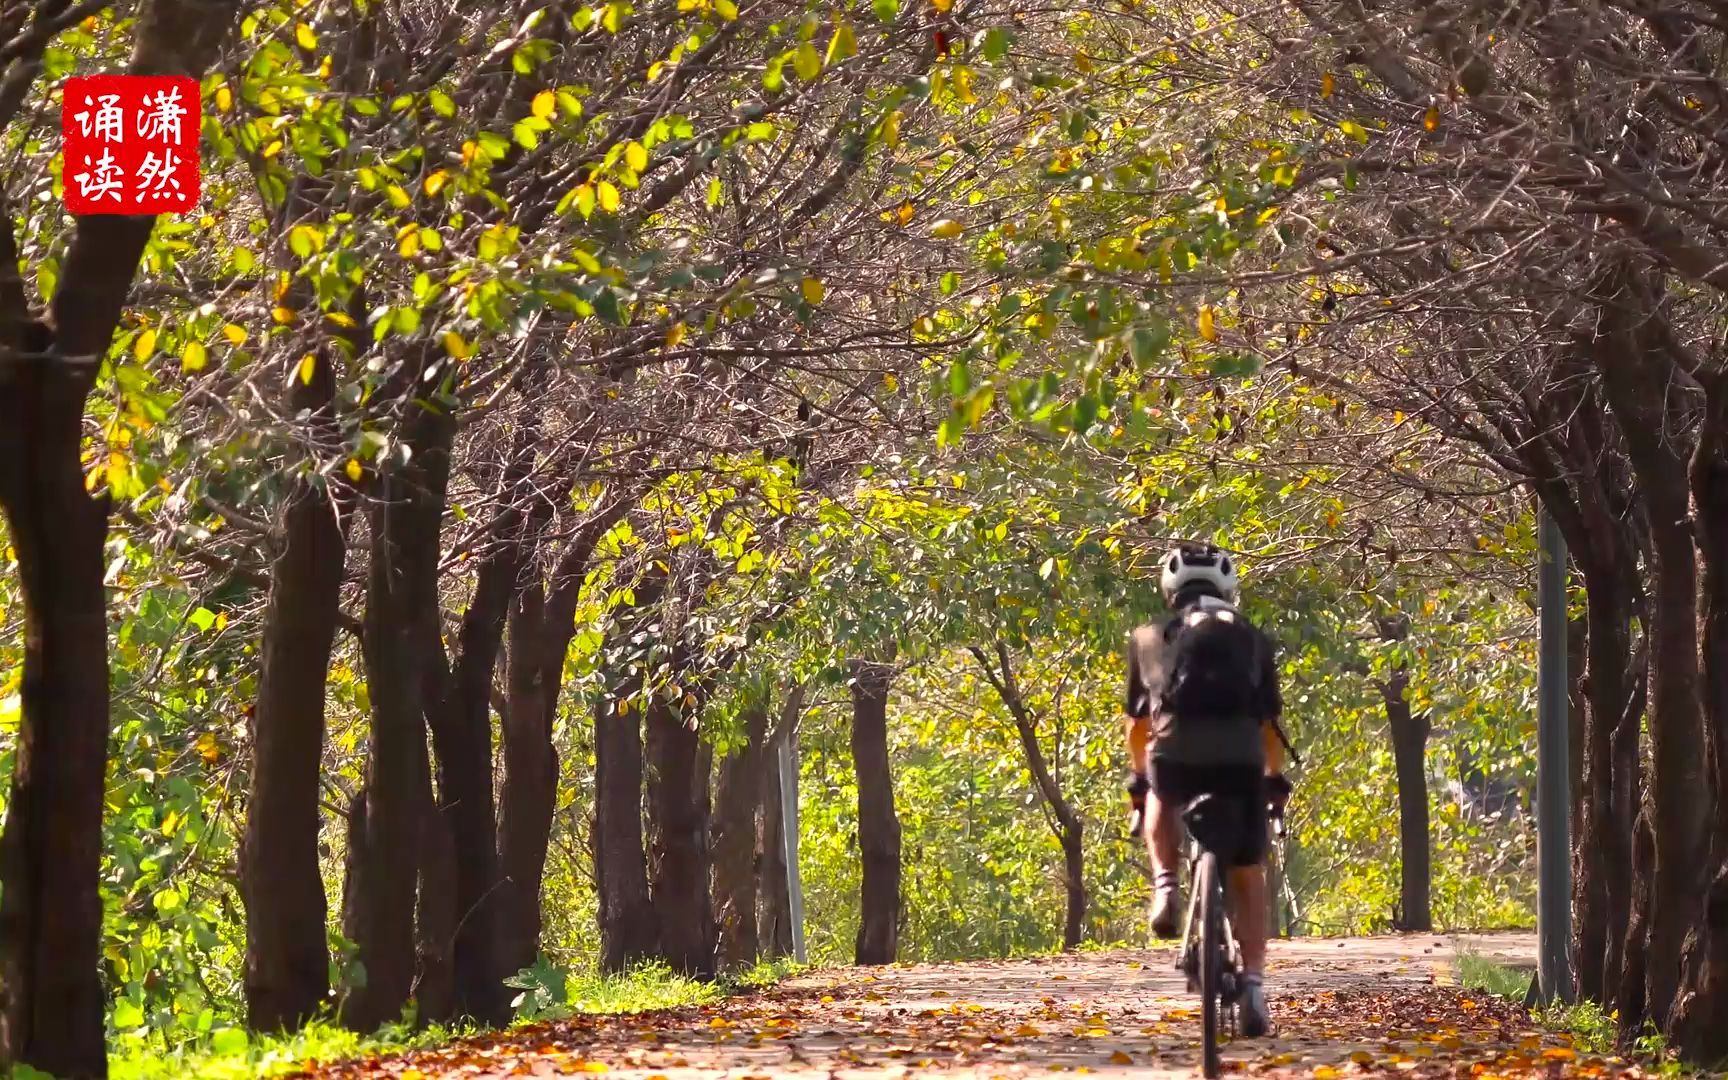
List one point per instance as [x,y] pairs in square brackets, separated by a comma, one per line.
[1202,718]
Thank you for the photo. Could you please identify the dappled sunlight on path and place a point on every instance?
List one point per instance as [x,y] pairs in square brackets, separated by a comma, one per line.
[1362,1006]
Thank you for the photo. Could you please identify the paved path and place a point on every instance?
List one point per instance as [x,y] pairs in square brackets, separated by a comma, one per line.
[1385,1006]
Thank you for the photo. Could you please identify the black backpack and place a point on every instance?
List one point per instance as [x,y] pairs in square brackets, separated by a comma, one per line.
[1216,661]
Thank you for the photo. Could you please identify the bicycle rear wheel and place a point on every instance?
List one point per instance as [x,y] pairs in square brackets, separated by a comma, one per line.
[1211,893]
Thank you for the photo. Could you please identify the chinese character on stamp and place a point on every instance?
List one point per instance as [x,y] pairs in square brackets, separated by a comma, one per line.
[130,144]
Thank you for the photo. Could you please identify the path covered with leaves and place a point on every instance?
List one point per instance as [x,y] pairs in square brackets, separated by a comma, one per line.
[1342,1008]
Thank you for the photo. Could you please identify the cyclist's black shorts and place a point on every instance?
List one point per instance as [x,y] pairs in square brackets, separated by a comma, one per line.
[1177,784]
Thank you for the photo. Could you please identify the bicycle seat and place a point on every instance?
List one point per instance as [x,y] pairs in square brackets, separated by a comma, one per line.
[1216,823]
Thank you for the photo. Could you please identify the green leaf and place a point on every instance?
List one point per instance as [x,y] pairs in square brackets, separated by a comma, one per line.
[442,103]
[959,378]
[996,44]
[230,1042]
[1148,344]
[1085,413]
[885,9]
[127,1014]
[1354,130]
[524,135]
[203,619]
[807,62]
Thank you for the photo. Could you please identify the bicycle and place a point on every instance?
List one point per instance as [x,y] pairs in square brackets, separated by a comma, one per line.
[1209,955]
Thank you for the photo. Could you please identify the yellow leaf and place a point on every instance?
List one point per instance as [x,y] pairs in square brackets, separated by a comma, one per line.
[843,45]
[144,344]
[354,470]
[457,346]
[943,5]
[304,37]
[193,357]
[398,197]
[1121,1057]
[595,1067]
[283,315]
[905,213]
[890,382]
[608,196]
[410,245]
[636,156]
[1327,85]
[947,229]
[1208,323]
[434,183]
[1027,1031]
[236,335]
[545,105]
[208,748]
[726,9]
[1362,1057]
[1326,1072]
[1559,1053]
[1431,118]
[675,335]
[224,98]
[308,368]
[813,291]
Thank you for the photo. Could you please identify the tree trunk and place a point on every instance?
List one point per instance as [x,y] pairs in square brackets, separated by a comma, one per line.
[51,853]
[1603,867]
[1638,387]
[878,826]
[774,887]
[737,801]
[1410,759]
[1631,999]
[1409,730]
[678,863]
[1577,717]
[461,722]
[287,955]
[51,995]
[628,929]
[401,596]
[435,915]
[541,625]
[1065,821]
[1700,1023]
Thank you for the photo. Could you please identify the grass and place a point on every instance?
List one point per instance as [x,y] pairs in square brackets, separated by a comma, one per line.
[1593,1030]
[231,1054]
[1477,972]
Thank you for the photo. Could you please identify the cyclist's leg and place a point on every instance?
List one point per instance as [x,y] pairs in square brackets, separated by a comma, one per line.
[1248,915]
[1171,790]
[1248,900]
[1137,733]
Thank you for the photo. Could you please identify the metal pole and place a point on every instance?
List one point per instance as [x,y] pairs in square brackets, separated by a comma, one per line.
[1553,772]
[788,762]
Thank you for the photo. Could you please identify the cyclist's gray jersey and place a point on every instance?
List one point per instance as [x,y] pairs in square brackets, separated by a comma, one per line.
[1229,741]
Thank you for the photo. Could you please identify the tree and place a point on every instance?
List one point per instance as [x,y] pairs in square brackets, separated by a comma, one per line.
[50,853]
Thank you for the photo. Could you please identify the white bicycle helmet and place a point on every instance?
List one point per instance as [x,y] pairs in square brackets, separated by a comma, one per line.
[1188,565]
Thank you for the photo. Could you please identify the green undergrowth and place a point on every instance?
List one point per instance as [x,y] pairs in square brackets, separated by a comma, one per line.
[1595,1031]
[540,994]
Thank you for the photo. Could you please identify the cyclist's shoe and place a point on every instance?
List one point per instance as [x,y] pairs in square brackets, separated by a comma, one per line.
[1166,909]
[1251,1014]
